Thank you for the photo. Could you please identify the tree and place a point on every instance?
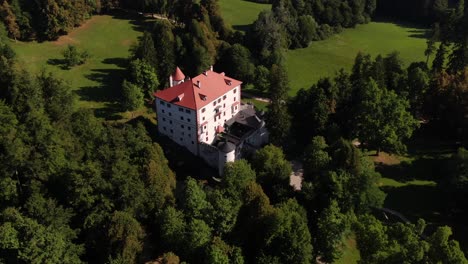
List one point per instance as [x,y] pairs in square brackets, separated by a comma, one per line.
[194,200]
[316,158]
[144,76]
[271,165]
[237,63]
[223,212]
[273,171]
[9,19]
[172,228]
[288,238]
[59,99]
[125,235]
[132,96]
[145,50]
[439,61]
[330,230]
[444,250]
[237,176]
[261,80]
[73,57]
[278,119]
[165,45]
[382,119]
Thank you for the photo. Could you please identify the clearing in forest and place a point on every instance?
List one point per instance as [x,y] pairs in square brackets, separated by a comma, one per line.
[240,13]
[97,82]
[324,58]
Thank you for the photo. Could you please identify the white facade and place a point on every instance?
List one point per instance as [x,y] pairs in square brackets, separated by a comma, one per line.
[178,123]
[216,113]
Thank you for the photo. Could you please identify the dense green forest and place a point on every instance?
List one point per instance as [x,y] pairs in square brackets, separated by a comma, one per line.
[75,188]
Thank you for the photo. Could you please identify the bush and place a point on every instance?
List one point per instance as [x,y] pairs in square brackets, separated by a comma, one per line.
[74,57]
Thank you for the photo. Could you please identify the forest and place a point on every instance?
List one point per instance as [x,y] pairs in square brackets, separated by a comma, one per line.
[79,189]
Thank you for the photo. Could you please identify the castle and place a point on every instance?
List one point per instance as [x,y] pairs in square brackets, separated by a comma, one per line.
[205,115]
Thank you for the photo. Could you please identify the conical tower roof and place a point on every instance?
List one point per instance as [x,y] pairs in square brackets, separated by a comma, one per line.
[178,75]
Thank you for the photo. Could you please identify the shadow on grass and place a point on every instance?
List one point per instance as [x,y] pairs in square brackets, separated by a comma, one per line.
[417,201]
[109,112]
[61,63]
[429,169]
[244,28]
[139,23]
[416,31]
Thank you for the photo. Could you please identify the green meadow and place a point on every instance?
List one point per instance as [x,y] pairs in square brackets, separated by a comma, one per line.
[240,13]
[325,58]
[97,82]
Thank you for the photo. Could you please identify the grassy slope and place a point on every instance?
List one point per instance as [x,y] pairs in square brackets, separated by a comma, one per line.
[241,13]
[97,82]
[324,58]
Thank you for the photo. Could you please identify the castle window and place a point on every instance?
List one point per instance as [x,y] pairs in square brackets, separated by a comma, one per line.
[188,119]
[172,131]
[234,99]
[224,105]
[187,111]
[164,119]
[189,128]
[203,110]
[224,97]
[161,102]
[204,127]
[182,126]
[181,139]
[182,118]
[214,103]
[235,90]
[163,111]
[189,135]
[170,122]
[170,114]
[183,133]
[203,118]
[219,100]
[206,138]
[181,109]
[224,114]
[164,128]
[168,106]
[193,142]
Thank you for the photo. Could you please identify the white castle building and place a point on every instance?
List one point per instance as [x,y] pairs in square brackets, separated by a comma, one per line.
[205,115]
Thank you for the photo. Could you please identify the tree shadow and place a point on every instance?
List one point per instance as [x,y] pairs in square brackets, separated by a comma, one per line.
[428,169]
[415,30]
[244,28]
[109,112]
[417,201]
[138,22]
[61,63]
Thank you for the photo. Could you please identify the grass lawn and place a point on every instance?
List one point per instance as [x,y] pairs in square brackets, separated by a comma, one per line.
[97,83]
[350,252]
[324,58]
[258,104]
[240,13]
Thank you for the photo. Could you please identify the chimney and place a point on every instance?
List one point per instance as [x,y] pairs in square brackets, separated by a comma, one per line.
[171,83]
[211,68]
[199,84]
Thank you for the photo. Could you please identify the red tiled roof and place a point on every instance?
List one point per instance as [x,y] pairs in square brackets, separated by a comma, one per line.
[219,129]
[212,86]
[178,75]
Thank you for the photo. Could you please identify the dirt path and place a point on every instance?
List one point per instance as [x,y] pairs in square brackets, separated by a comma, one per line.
[251,96]
[296,177]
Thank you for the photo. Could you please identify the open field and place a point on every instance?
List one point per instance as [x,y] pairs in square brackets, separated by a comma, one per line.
[97,83]
[324,58]
[241,13]
[350,252]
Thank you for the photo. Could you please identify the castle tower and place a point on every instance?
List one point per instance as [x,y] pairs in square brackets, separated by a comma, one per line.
[177,77]
[226,153]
